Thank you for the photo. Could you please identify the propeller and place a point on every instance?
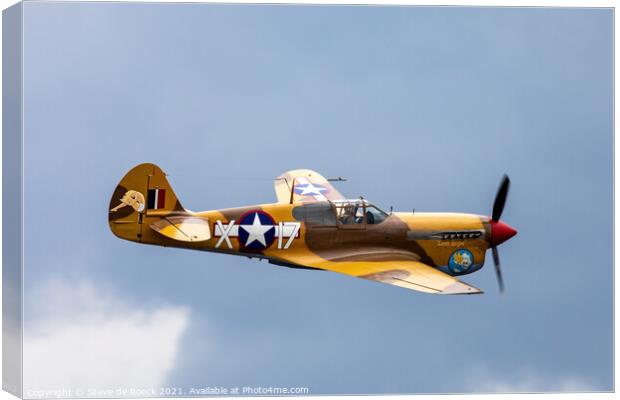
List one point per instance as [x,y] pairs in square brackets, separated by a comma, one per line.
[500,199]
[498,270]
[500,232]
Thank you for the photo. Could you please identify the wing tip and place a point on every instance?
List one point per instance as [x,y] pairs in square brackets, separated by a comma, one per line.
[461,288]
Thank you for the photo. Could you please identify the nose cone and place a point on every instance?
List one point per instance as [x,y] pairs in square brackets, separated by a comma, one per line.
[500,232]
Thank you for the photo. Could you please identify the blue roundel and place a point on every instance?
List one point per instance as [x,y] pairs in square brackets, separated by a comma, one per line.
[256,230]
[461,261]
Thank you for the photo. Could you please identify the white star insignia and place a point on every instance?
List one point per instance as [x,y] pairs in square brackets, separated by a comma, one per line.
[256,231]
[310,189]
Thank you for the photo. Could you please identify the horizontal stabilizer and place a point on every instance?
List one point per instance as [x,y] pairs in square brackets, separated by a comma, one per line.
[183,228]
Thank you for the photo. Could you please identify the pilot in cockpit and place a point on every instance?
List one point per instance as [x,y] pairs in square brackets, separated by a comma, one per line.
[347,215]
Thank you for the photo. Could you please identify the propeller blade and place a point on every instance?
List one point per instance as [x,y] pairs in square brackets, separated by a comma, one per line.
[500,199]
[498,270]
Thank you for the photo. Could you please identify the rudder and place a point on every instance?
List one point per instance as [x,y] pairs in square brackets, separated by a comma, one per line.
[144,191]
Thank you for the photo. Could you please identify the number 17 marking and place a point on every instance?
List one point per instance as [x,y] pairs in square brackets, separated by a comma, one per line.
[288,230]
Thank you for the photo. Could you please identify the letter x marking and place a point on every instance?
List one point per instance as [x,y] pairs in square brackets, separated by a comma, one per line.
[225,233]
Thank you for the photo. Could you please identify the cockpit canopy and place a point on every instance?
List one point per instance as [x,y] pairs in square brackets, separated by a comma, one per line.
[354,211]
[349,212]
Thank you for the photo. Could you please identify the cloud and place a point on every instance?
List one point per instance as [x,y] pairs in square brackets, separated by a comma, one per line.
[526,380]
[80,337]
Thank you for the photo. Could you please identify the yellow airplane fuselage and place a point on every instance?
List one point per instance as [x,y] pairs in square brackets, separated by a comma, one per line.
[432,236]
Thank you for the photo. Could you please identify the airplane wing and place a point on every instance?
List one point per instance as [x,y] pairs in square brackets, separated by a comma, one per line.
[308,186]
[409,274]
[418,276]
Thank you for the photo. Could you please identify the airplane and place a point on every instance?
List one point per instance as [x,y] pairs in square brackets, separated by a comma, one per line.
[313,226]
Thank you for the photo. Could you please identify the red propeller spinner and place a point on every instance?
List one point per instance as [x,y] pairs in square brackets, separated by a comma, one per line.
[500,232]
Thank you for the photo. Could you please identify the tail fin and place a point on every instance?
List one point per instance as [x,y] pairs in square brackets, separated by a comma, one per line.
[144,191]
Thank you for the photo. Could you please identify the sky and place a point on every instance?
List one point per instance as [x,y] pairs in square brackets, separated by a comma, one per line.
[419,107]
